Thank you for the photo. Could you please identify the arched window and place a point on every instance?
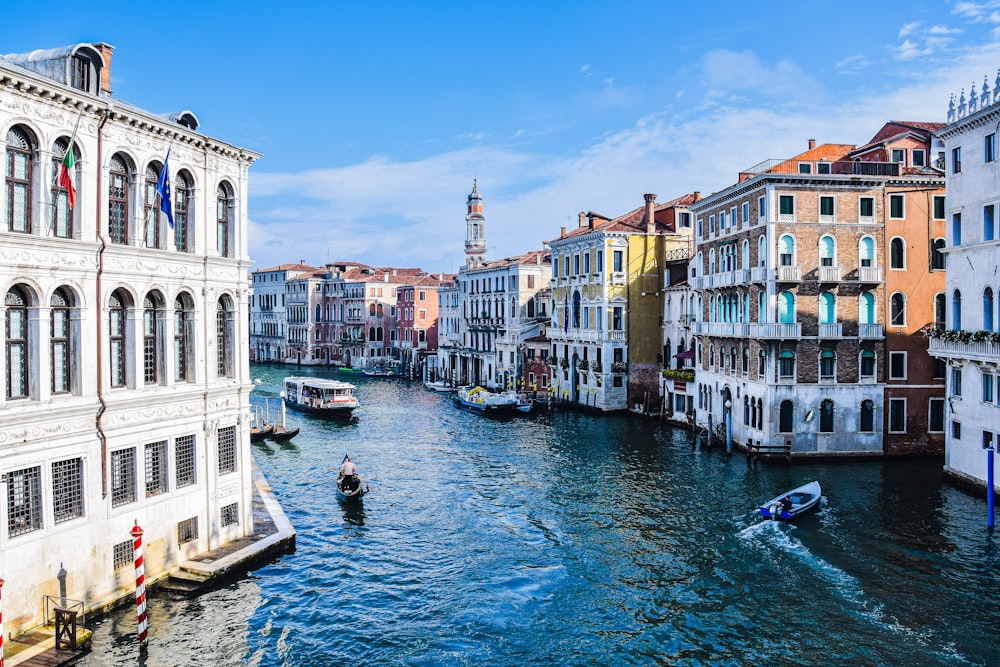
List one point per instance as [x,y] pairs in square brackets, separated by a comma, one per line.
[62,214]
[828,365]
[826,413]
[746,410]
[60,342]
[786,307]
[897,253]
[117,336]
[224,323]
[183,322]
[378,334]
[786,250]
[956,310]
[576,310]
[866,421]
[867,365]
[827,308]
[371,333]
[785,417]
[988,309]
[746,254]
[746,361]
[531,308]
[866,252]
[319,313]
[866,308]
[762,250]
[183,219]
[786,365]
[150,338]
[762,306]
[118,199]
[761,363]
[826,251]
[378,310]
[897,309]
[937,257]
[939,310]
[18,364]
[18,178]
[151,216]
[711,261]
[224,218]
[371,309]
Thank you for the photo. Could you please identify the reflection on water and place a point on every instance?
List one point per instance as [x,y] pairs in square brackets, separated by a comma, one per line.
[573,539]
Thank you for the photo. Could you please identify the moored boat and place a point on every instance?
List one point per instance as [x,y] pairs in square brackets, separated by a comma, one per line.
[259,428]
[793,504]
[485,402]
[280,431]
[440,386]
[321,397]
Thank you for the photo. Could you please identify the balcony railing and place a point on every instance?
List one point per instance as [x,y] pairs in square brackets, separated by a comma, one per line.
[870,274]
[871,331]
[972,350]
[829,274]
[776,330]
[789,274]
[758,274]
[830,330]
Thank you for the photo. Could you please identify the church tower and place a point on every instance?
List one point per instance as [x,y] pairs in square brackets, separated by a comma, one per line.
[475,230]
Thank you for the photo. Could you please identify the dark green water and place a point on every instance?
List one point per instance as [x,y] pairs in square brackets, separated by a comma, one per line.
[578,540]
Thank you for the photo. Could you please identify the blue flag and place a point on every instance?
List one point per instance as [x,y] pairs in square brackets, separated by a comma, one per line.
[163,187]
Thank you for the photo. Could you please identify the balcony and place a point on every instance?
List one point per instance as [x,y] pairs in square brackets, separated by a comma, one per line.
[776,330]
[618,278]
[789,274]
[758,274]
[831,330]
[871,331]
[983,350]
[829,274]
[870,274]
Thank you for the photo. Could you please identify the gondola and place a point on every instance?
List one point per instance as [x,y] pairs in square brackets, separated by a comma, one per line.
[350,487]
[281,432]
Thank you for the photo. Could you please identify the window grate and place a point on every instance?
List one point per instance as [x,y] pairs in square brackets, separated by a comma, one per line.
[24,501]
[184,460]
[227,449]
[231,515]
[123,554]
[156,468]
[67,490]
[122,477]
[187,530]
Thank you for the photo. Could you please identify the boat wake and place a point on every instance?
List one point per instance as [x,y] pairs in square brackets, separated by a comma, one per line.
[782,550]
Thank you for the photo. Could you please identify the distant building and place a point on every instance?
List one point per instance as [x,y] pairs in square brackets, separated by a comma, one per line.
[417,322]
[969,341]
[268,318]
[127,386]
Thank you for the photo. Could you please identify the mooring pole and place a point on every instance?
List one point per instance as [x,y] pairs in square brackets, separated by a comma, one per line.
[140,585]
[989,487]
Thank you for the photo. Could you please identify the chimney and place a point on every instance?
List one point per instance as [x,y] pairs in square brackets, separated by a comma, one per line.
[697,195]
[106,51]
[812,144]
[580,217]
[650,219]
[302,262]
[562,232]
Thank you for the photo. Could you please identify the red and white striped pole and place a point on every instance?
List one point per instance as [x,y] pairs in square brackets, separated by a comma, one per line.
[1,622]
[140,585]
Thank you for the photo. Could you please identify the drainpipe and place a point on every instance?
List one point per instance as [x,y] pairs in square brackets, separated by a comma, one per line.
[100,319]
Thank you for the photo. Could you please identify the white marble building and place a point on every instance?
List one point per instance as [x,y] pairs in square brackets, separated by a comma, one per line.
[125,366]
[970,340]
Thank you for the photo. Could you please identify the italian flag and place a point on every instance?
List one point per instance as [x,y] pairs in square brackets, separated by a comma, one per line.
[66,175]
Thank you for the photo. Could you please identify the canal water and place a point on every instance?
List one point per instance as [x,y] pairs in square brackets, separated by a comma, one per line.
[579,540]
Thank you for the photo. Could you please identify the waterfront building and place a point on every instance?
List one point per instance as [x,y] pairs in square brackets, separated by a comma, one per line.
[268,317]
[607,316]
[680,301]
[303,311]
[417,322]
[969,341]
[502,302]
[445,366]
[791,263]
[126,394]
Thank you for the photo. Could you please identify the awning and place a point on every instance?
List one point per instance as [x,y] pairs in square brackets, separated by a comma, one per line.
[686,354]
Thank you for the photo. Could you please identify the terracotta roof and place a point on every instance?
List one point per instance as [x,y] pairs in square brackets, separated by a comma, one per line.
[288,267]
[532,257]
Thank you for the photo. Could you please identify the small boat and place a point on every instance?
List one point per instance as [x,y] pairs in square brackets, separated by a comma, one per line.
[350,487]
[485,402]
[259,430]
[281,432]
[793,504]
[321,397]
[378,372]
[348,370]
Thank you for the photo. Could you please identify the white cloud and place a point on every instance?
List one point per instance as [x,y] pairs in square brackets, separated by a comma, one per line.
[852,64]
[978,12]
[909,29]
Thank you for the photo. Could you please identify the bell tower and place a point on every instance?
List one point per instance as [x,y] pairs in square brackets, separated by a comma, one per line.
[475,229]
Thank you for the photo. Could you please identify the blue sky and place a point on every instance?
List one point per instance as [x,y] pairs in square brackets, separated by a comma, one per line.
[374,117]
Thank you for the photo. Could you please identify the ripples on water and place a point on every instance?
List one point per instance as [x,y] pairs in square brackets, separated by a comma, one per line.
[577,540]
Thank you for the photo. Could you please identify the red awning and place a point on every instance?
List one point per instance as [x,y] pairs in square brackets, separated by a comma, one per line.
[686,354]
